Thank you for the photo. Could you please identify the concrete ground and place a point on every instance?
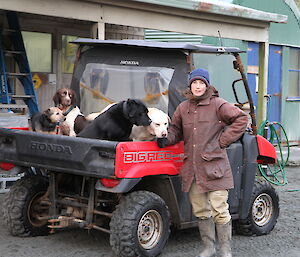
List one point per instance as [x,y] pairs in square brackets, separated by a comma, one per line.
[283,241]
[294,156]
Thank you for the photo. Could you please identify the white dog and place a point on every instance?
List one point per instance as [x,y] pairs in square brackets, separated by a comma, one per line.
[157,129]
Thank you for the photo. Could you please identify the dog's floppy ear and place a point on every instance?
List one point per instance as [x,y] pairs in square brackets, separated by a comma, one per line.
[73,98]
[47,112]
[44,118]
[56,98]
[131,107]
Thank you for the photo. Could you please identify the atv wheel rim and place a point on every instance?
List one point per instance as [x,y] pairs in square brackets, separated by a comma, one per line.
[36,211]
[262,209]
[150,229]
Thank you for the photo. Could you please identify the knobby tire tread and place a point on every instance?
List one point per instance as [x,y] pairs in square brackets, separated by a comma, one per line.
[14,206]
[122,237]
[247,227]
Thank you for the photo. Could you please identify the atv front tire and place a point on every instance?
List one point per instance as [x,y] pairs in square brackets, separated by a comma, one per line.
[264,211]
[23,211]
[140,225]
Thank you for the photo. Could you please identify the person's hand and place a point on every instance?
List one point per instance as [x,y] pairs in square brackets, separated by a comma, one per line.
[162,142]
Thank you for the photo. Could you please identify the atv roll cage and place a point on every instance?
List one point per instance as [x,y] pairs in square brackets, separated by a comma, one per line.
[166,79]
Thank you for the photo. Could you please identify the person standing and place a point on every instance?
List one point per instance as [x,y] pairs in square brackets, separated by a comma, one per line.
[207,124]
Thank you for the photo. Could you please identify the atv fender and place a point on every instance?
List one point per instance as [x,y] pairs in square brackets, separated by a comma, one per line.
[266,151]
[124,186]
[248,178]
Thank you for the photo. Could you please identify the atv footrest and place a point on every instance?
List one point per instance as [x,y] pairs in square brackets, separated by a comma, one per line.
[6,181]
[64,221]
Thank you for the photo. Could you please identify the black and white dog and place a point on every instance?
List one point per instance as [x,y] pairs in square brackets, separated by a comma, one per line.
[116,123]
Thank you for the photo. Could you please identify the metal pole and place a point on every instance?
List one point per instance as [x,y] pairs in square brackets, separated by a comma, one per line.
[240,68]
[262,81]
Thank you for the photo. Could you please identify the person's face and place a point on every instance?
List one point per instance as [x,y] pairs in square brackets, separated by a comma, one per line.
[198,87]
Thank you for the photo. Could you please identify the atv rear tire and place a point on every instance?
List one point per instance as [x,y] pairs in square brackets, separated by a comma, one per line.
[22,209]
[264,211]
[140,225]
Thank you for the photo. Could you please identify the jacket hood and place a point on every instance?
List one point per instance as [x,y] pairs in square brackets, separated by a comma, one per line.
[215,92]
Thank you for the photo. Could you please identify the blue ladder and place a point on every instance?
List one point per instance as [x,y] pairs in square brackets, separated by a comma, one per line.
[12,50]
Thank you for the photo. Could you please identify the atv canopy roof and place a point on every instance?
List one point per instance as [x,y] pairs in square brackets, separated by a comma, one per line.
[155,72]
[197,48]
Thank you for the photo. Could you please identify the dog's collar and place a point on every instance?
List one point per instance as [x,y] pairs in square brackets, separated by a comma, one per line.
[57,128]
[68,111]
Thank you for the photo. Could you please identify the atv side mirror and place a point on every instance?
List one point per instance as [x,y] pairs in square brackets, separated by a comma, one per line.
[235,65]
[235,92]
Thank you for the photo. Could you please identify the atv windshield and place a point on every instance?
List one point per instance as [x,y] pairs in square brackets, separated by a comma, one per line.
[112,73]
[102,84]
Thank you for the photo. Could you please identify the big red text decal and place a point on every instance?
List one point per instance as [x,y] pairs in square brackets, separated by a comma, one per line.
[151,156]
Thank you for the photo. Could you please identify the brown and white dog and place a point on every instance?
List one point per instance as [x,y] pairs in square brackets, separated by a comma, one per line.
[65,99]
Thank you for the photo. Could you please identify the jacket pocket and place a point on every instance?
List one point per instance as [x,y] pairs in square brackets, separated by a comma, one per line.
[214,165]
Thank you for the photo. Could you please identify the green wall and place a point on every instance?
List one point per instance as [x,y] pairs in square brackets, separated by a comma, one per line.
[287,34]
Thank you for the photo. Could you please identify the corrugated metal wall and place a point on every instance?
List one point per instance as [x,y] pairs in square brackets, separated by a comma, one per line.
[166,36]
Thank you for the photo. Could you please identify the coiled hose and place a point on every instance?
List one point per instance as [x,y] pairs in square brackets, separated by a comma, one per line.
[274,173]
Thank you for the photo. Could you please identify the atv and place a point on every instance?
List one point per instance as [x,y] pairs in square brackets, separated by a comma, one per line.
[131,190]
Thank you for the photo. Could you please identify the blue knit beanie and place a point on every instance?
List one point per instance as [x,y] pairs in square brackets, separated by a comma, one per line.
[201,74]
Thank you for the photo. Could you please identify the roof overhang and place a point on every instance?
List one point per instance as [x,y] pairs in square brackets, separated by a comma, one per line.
[221,8]
[192,17]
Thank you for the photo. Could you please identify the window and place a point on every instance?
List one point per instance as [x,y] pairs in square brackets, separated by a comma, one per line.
[294,73]
[68,54]
[38,48]
[102,84]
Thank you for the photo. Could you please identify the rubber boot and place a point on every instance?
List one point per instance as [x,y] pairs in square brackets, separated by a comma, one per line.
[208,236]
[224,237]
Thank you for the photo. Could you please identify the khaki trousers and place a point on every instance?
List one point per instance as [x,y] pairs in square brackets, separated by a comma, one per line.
[210,204]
